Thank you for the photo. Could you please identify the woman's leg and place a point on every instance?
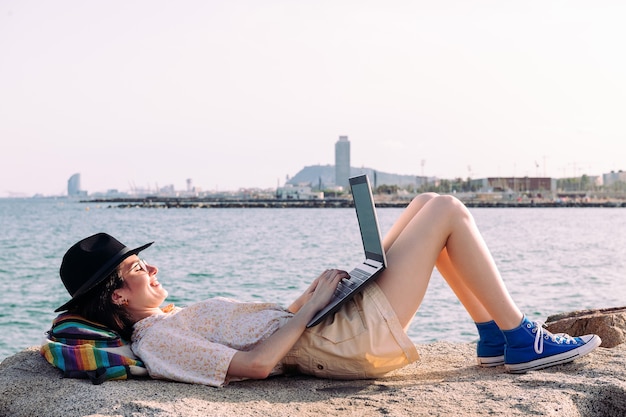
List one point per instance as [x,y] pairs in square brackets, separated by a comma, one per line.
[407,215]
[439,230]
[455,280]
[443,263]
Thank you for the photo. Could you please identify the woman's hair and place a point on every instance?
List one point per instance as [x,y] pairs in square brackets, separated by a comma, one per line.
[97,305]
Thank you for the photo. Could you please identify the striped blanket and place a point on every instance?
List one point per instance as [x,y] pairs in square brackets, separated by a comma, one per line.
[84,349]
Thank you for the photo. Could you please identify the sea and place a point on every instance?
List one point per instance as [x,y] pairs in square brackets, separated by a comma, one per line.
[552,260]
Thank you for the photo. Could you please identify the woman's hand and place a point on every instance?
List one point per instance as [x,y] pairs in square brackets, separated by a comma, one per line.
[322,288]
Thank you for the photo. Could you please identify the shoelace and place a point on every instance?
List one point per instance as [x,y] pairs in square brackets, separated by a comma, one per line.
[540,332]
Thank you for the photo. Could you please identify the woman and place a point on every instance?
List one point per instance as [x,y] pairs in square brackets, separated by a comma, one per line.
[218,340]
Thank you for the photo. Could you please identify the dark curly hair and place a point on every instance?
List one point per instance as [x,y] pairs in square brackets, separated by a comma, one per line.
[97,305]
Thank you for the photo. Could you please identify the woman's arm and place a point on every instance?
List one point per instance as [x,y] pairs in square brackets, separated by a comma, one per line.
[259,362]
[302,299]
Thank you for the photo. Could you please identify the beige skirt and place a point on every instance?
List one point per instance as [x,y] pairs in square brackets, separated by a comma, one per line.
[364,339]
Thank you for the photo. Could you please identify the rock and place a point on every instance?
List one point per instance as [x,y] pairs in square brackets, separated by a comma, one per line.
[446,382]
[608,323]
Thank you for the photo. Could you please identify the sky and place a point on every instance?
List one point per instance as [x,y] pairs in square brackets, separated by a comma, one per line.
[237,93]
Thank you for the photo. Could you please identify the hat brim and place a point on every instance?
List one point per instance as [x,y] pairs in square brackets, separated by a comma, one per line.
[101,274]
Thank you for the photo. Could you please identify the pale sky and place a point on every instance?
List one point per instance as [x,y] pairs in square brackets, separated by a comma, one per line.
[242,93]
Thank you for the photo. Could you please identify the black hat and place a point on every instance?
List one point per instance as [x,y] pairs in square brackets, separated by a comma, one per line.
[90,261]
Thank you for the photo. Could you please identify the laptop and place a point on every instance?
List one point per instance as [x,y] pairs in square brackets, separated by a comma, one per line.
[374,262]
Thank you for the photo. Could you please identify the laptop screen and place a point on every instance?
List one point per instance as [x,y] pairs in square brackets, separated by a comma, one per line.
[366,215]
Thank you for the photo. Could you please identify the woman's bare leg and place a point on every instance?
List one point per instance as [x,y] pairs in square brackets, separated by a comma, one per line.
[439,230]
[445,267]
[407,215]
[455,280]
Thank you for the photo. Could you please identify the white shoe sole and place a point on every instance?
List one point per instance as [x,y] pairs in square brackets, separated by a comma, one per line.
[487,362]
[519,368]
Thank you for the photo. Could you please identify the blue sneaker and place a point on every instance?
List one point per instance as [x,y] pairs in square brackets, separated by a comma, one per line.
[530,347]
[490,346]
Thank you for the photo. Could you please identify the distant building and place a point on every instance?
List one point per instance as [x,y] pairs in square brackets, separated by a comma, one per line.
[300,192]
[612,178]
[515,184]
[342,162]
[73,187]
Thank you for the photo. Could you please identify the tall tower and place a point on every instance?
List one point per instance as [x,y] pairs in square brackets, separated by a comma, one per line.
[342,162]
[73,185]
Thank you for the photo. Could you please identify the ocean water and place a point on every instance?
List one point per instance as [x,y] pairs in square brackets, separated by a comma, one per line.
[552,259]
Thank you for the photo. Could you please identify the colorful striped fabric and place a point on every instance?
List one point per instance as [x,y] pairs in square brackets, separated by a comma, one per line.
[84,349]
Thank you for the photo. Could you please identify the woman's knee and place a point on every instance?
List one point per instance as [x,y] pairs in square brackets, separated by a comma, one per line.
[443,204]
[426,196]
[450,205]
[421,199]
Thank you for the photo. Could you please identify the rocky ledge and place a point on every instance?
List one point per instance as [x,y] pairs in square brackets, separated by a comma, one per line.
[446,382]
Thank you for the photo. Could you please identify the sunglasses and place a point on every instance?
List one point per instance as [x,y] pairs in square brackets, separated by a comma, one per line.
[140,265]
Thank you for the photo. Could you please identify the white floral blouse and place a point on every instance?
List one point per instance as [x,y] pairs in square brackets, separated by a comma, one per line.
[195,344]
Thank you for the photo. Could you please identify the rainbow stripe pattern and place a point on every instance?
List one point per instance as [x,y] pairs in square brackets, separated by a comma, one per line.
[85,349]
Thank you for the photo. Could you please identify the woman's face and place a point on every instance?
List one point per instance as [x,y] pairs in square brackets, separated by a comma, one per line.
[141,290]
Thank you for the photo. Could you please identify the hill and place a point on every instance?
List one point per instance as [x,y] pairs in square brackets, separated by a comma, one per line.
[323,176]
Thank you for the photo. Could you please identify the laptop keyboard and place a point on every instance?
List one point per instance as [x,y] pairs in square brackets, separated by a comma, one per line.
[345,287]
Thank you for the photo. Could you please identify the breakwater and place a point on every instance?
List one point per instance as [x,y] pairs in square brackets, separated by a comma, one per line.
[203,202]
[446,382]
